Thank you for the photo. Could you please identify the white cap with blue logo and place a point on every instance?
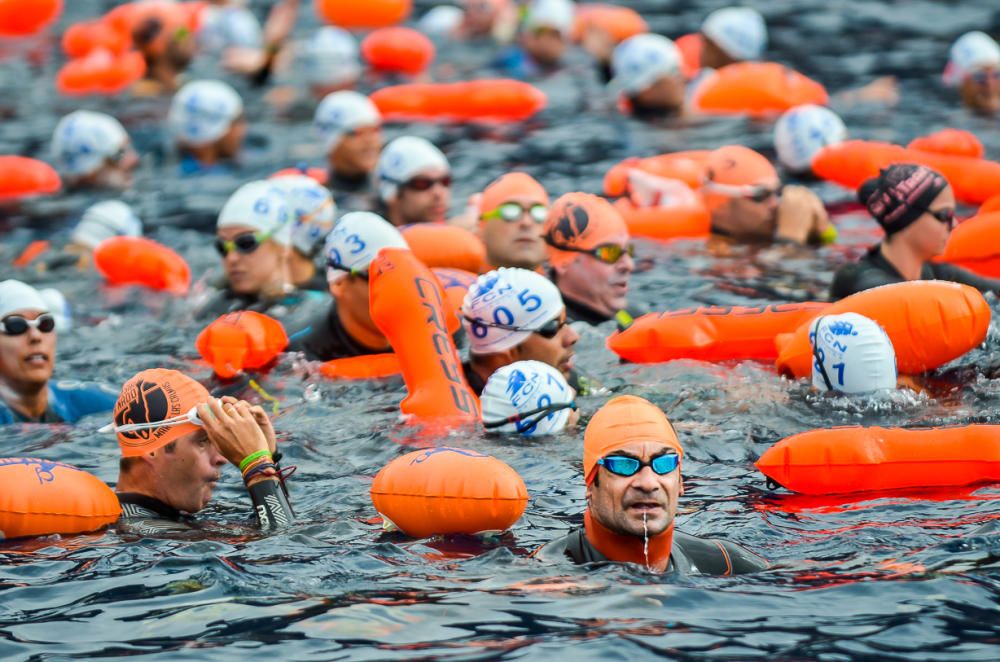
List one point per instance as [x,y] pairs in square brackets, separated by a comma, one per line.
[405,158]
[262,206]
[851,354]
[528,397]
[739,31]
[972,51]
[313,211]
[504,307]
[356,240]
[342,112]
[804,130]
[84,139]
[203,111]
[639,61]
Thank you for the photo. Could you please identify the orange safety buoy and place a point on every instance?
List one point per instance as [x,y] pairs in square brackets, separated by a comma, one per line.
[443,245]
[22,177]
[619,23]
[690,47]
[370,366]
[23,18]
[857,459]
[30,252]
[441,491]
[499,100]
[992,204]
[929,322]
[398,50]
[975,245]
[455,283]
[956,142]
[82,38]
[369,14]
[711,333]
[243,340]
[142,261]
[318,175]
[173,15]
[756,88]
[408,307]
[42,497]
[688,221]
[100,72]
[688,167]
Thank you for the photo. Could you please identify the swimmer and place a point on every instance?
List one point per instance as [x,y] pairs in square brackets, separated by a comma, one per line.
[529,398]
[748,204]
[514,315]
[93,151]
[313,213]
[590,256]
[974,67]
[851,354]
[166,42]
[916,208]
[484,19]
[731,35]
[632,468]
[350,128]
[27,360]
[207,124]
[331,62]
[543,38]
[647,73]
[414,181]
[104,220]
[175,438]
[346,328]
[800,133]
[232,32]
[512,211]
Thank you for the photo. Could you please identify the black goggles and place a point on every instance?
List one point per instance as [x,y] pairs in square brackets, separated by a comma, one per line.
[606,253]
[354,272]
[15,325]
[549,330]
[422,183]
[819,356]
[244,244]
[944,215]
[622,465]
[527,421]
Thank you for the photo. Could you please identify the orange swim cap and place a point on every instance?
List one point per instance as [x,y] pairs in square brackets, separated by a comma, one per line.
[621,421]
[509,186]
[583,221]
[153,396]
[735,165]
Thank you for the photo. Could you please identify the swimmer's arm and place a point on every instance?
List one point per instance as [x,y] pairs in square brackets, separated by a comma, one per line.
[270,503]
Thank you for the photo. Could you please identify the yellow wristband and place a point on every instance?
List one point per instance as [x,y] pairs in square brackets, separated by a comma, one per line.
[829,235]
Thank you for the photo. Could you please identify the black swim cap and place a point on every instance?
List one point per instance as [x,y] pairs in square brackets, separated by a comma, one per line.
[900,194]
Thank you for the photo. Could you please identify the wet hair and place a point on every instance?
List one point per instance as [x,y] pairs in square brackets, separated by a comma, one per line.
[900,194]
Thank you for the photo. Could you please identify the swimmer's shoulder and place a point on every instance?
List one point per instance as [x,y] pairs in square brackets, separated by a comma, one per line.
[711,556]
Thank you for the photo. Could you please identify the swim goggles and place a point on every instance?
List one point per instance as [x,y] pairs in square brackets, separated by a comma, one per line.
[944,215]
[421,183]
[549,330]
[190,417]
[818,356]
[622,465]
[529,419]
[337,266]
[982,76]
[513,211]
[15,325]
[607,253]
[244,244]
[753,192]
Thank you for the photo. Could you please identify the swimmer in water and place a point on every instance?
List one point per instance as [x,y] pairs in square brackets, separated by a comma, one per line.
[731,35]
[313,212]
[174,440]
[851,355]
[28,394]
[512,211]
[647,74]
[802,132]
[974,68]
[331,62]
[543,39]
[207,123]
[591,259]
[529,398]
[414,182]
[231,32]
[93,151]
[164,38]
[350,128]
[632,467]
[916,208]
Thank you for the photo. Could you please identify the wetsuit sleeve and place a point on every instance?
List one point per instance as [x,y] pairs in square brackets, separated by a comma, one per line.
[955,274]
[853,278]
[270,505]
[74,400]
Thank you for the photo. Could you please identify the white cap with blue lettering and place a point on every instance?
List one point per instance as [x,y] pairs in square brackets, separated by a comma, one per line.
[804,130]
[528,397]
[851,354]
[503,307]
[739,31]
[356,240]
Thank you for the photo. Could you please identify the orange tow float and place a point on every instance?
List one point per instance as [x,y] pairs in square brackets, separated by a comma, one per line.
[243,340]
[498,100]
[756,88]
[398,50]
[21,177]
[23,18]
[355,15]
[142,261]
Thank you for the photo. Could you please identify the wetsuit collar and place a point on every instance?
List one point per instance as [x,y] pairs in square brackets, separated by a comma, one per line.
[349,182]
[580,312]
[621,548]
[151,504]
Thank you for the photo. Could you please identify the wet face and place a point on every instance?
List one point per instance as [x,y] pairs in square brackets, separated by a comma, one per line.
[597,284]
[232,141]
[746,217]
[258,272]
[357,152]
[479,17]
[422,199]
[713,57]
[666,94]
[927,236]
[545,45]
[119,169]
[351,293]
[558,351]
[27,360]
[186,472]
[515,243]
[981,91]
[644,502]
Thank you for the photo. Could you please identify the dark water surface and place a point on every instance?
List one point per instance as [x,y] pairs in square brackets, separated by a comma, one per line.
[875,576]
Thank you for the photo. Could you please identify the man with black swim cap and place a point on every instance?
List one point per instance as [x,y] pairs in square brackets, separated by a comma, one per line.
[916,208]
[631,464]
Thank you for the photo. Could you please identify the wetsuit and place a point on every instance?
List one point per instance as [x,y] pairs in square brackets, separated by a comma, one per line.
[582,384]
[578,312]
[69,401]
[873,270]
[353,193]
[326,339]
[281,307]
[316,283]
[689,554]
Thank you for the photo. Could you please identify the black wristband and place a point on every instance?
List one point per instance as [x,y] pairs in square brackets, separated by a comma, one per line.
[270,505]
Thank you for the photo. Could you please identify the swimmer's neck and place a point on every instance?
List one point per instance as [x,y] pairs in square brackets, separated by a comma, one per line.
[630,549]
[28,400]
[361,332]
[903,260]
[301,268]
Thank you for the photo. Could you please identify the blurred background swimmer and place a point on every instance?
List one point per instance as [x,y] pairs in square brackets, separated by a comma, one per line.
[851,354]
[529,398]
[313,213]
[207,123]
[414,182]
[350,128]
[93,151]
[974,68]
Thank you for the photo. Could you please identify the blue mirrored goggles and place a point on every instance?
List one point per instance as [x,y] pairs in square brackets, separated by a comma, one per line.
[622,465]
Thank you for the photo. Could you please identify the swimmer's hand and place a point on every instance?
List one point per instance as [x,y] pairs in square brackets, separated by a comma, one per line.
[263,420]
[233,429]
[801,216]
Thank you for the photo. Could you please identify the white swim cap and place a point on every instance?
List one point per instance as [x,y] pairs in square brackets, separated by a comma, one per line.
[313,211]
[17,296]
[522,387]
[202,111]
[739,31]
[403,159]
[440,21]
[803,131]
[260,205]
[356,240]
[228,27]
[84,139]
[555,14]
[59,307]
[342,112]
[330,57]
[111,218]
[855,353]
[510,297]
[640,61]
[973,50]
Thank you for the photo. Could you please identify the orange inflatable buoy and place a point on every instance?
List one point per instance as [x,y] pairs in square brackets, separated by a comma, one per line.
[442,491]
[21,177]
[408,307]
[929,322]
[371,366]
[318,175]
[30,252]
[992,204]
[975,245]
[23,18]
[688,167]
[757,88]
[141,261]
[857,459]
[369,14]
[243,340]
[100,72]
[690,47]
[82,38]
[619,22]
[498,100]
[673,222]
[398,50]
[950,141]
[443,245]
[712,333]
[42,497]
[454,284]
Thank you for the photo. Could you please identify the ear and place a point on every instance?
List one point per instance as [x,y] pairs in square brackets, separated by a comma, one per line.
[681,491]
[336,287]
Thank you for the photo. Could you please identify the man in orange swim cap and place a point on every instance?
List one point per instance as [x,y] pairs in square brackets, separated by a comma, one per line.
[631,464]
[748,204]
[591,258]
[175,437]
[511,212]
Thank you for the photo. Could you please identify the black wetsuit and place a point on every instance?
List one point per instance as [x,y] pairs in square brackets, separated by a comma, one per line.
[352,193]
[688,555]
[578,312]
[290,309]
[873,270]
[316,283]
[326,339]
[581,384]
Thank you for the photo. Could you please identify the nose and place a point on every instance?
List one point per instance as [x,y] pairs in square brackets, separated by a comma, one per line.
[626,264]
[646,480]
[218,459]
[570,336]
